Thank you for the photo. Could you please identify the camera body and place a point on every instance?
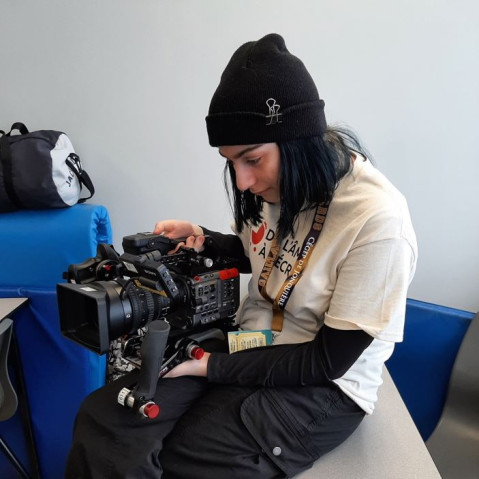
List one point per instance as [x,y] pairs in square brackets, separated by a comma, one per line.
[112,296]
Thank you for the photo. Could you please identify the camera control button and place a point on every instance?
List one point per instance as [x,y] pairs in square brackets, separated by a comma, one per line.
[151,410]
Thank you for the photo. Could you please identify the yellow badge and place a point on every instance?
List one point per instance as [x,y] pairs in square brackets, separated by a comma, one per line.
[240,340]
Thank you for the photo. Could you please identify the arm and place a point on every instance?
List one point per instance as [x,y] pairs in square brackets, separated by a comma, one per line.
[222,245]
[325,358]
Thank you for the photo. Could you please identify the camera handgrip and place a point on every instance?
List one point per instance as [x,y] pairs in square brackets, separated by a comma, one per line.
[152,351]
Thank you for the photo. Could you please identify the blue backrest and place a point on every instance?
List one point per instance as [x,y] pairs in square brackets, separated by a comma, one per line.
[421,365]
[36,247]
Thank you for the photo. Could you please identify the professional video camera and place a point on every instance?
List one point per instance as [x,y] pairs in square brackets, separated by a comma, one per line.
[180,298]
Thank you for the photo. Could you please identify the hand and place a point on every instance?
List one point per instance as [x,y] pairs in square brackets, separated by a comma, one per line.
[181,229]
[192,367]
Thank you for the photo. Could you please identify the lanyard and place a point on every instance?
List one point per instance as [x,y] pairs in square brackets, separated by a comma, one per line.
[284,293]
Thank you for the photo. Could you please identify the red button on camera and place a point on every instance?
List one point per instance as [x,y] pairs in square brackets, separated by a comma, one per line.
[196,352]
[151,410]
[228,273]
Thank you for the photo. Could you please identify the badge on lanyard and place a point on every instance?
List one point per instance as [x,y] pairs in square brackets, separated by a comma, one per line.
[241,340]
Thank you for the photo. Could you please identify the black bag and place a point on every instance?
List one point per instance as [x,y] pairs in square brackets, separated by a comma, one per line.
[40,170]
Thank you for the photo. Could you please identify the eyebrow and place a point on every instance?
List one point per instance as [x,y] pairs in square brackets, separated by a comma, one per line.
[243,152]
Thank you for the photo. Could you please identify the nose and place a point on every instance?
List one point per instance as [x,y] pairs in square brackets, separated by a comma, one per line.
[244,177]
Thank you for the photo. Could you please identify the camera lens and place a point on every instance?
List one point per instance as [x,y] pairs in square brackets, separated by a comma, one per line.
[145,306]
[95,314]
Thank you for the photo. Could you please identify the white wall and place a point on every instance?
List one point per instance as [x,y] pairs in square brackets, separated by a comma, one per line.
[130,82]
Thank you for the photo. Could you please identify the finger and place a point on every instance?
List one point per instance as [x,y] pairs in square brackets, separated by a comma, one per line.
[159,228]
[164,227]
[190,242]
[181,370]
[199,242]
[178,246]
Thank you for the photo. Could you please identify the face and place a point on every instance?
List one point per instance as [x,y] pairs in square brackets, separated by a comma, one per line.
[256,168]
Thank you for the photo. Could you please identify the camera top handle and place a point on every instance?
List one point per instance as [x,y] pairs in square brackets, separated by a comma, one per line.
[103,267]
[145,242]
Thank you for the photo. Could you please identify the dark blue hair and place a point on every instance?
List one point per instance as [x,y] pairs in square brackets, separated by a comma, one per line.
[310,171]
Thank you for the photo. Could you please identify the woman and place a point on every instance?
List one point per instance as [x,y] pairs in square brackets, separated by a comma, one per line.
[331,251]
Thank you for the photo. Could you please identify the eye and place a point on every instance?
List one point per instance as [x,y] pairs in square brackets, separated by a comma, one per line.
[252,161]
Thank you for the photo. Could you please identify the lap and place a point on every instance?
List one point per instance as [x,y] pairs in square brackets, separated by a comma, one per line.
[208,431]
[235,431]
[210,440]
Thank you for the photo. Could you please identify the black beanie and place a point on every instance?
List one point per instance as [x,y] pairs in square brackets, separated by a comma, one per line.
[265,95]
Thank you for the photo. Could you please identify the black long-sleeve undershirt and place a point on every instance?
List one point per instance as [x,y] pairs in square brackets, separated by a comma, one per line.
[327,357]
[229,246]
[317,362]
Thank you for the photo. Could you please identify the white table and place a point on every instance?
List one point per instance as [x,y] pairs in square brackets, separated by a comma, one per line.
[9,305]
[386,445]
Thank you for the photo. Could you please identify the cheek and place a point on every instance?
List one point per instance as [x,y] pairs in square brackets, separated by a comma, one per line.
[275,176]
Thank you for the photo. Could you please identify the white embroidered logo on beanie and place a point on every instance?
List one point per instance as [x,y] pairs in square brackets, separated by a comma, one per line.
[273,112]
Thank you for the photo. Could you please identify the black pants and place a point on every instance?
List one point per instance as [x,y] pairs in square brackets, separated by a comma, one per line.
[209,431]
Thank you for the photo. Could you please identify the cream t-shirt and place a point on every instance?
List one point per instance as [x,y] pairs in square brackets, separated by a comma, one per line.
[357,276]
